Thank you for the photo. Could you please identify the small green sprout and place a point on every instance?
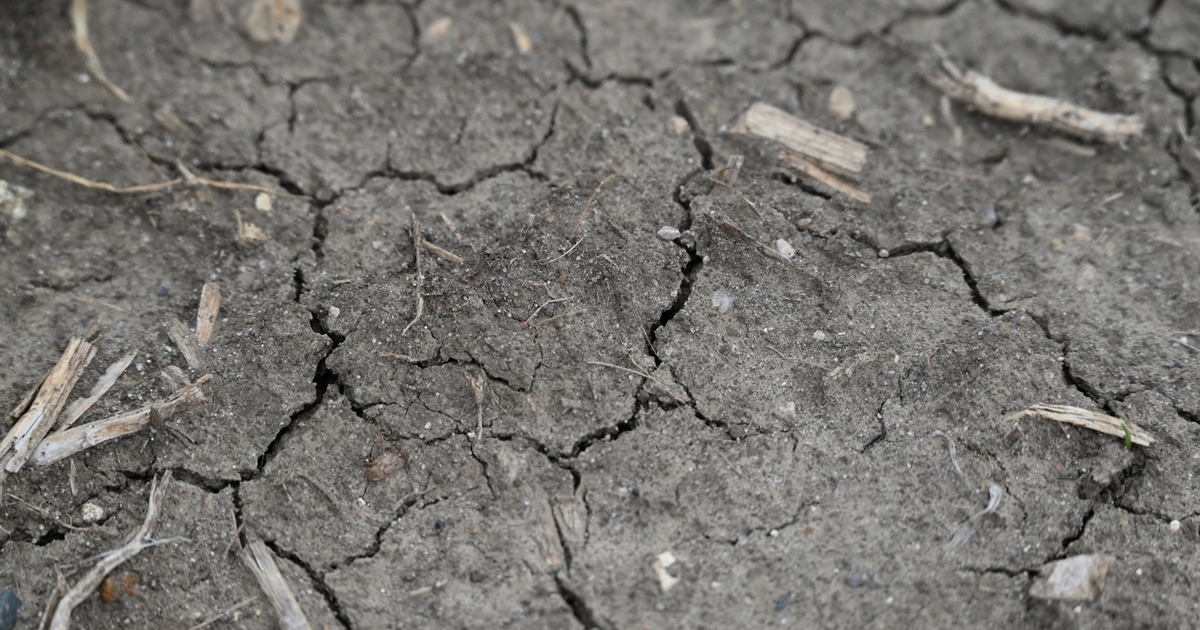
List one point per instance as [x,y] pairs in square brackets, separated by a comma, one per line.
[1128,437]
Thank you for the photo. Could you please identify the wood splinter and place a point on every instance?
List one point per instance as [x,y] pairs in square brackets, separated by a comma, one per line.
[822,155]
[140,540]
[985,95]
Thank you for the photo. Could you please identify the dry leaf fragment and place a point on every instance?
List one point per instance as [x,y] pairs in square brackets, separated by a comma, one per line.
[1088,420]
[382,467]
[272,20]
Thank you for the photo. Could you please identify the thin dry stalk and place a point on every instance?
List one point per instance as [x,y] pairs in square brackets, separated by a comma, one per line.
[968,529]
[81,406]
[66,443]
[830,151]
[179,334]
[1088,420]
[476,383]
[950,393]
[444,254]
[79,23]
[88,583]
[985,95]
[587,205]
[23,438]
[188,179]
[261,563]
[206,315]
[645,375]
[416,240]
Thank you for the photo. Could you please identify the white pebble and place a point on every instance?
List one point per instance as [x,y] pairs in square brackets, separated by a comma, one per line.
[668,233]
[819,336]
[883,253]
[1174,526]
[722,301]
[263,202]
[91,512]
[785,249]
[334,312]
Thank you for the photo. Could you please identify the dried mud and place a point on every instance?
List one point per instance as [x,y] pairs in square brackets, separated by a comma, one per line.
[570,405]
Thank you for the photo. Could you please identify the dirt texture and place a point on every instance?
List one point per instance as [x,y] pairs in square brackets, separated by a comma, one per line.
[568,421]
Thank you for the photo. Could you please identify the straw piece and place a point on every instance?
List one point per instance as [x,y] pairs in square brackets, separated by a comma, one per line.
[81,406]
[261,563]
[206,316]
[83,42]
[830,151]
[1086,419]
[179,334]
[84,587]
[67,443]
[25,435]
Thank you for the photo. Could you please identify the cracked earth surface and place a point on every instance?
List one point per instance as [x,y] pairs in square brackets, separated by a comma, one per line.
[798,455]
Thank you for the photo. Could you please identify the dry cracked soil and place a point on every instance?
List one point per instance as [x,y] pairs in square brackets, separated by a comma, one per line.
[570,406]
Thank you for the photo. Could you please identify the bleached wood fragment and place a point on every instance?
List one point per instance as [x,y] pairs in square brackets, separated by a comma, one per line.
[826,149]
[179,334]
[798,162]
[81,406]
[206,316]
[261,563]
[67,443]
[987,96]
[86,585]
[1086,419]
[25,435]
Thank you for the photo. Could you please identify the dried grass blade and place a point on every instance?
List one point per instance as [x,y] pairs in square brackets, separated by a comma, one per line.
[1086,419]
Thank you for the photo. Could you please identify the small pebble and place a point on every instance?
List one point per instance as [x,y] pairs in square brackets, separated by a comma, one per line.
[883,253]
[334,312]
[668,233]
[722,301]
[785,249]
[9,605]
[163,290]
[1174,526]
[841,103]
[263,202]
[91,512]
[819,336]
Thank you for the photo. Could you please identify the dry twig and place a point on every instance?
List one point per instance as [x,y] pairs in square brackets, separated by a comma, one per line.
[80,407]
[88,583]
[23,438]
[983,94]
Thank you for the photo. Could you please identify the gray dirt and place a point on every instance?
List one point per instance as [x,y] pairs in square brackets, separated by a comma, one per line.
[806,456]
